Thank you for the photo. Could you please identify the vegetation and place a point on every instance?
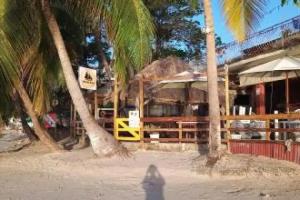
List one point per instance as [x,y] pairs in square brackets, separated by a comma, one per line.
[178,32]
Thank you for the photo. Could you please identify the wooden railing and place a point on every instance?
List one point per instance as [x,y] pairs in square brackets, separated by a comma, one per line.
[78,129]
[176,129]
[194,129]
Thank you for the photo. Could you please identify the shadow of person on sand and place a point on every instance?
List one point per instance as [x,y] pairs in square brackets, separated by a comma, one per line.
[153,184]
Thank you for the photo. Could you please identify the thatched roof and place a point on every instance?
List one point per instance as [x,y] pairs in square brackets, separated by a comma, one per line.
[167,80]
[157,70]
[163,68]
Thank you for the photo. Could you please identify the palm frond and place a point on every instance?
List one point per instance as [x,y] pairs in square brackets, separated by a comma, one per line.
[243,16]
[31,52]
[128,25]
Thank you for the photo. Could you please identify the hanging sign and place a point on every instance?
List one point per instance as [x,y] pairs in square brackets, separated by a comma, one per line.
[87,78]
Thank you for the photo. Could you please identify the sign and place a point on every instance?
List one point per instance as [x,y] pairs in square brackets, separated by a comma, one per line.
[87,78]
[134,119]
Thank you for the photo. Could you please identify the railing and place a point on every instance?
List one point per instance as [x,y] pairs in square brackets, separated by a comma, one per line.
[284,146]
[266,40]
[195,129]
[177,129]
[78,129]
[278,125]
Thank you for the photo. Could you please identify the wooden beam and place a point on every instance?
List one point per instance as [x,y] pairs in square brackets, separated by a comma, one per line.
[96,114]
[141,107]
[227,103]
[287,93]
[116,99]
[262,117]
[260,99]
[205,119]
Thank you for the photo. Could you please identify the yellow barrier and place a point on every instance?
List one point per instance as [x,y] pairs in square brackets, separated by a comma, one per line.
[121,126]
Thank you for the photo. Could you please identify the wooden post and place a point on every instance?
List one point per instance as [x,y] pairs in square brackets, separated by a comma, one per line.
[141,108]
[268,133]
[180,131]
[227,103]
[96,114]
[116,99]
[287,93]
[260,99]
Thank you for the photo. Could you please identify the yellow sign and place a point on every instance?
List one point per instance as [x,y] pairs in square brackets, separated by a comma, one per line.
[87,78]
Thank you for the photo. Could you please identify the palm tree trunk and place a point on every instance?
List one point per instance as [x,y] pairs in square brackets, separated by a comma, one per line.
[102,142]
[38,129]
[212,77]
[27,130]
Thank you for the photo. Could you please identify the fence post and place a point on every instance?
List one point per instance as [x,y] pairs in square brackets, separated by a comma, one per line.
[180,131]
[227,105]
[116,99]
[268,132]
[141,108]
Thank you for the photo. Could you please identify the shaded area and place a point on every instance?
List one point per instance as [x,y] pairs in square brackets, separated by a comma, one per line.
[153,184]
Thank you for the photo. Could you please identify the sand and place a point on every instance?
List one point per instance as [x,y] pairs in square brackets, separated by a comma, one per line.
[34,173]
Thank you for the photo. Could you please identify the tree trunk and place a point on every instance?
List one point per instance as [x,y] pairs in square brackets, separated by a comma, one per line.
[212,77]
[38,129]
[102,142]
[27,130]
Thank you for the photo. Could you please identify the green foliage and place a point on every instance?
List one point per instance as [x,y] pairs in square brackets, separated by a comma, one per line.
[178,32]
[25,40]
[243,16]
[285,2]
[128,26]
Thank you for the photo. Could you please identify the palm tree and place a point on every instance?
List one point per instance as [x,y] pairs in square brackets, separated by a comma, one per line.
[212,83]
[18,67]
[11,80]
[242,17]
[129,27]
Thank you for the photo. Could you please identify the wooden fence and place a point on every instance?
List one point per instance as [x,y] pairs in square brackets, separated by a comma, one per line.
[195,128]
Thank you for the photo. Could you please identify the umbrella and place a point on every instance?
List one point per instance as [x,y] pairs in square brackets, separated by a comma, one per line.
[279,69]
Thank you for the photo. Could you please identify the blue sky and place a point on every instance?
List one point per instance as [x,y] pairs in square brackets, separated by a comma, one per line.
[277,15]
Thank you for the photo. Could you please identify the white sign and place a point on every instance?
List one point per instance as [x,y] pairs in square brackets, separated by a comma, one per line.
[134,119]
[87,78]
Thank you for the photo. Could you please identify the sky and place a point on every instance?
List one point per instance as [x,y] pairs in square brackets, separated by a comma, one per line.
[275,14]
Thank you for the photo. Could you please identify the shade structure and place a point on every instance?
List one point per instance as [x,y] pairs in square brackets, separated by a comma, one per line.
[188,87]
[279,69]
[271,71]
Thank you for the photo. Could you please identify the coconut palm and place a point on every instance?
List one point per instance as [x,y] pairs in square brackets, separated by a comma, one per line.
[242,17]
[23,67]
[130,30]
[212,83]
